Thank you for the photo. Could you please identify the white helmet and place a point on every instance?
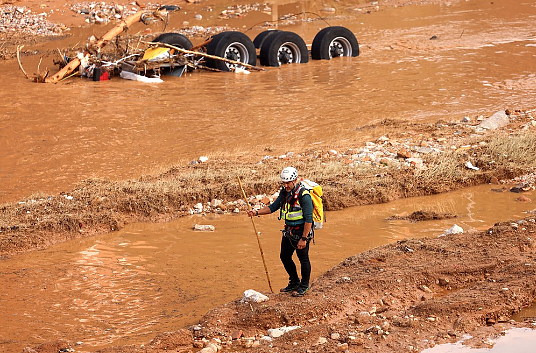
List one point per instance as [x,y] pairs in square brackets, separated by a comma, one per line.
[289,174]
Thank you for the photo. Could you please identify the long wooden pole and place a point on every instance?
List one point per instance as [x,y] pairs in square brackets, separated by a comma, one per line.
[256,234]
[198,53]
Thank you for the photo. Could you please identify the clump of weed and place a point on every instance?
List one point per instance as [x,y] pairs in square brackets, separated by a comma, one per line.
[518,149]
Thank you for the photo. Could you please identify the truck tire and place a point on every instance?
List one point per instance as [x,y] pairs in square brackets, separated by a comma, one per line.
[333,42]
[283,48]
[174,39]
[231,45]
[261,37]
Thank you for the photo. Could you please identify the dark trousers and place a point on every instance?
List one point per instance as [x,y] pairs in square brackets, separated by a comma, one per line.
[288,247]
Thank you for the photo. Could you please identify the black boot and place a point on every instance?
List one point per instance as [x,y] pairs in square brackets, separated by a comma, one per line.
[292,286]
[301,290]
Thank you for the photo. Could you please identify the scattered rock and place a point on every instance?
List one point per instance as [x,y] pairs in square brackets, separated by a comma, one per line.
[335,336]
[321,340]
[425,288]
[497,120]
[520,188]
[236,334]
[204,227]
[341,347]
[443,282]
[523,198]
[253,296]
[404,153]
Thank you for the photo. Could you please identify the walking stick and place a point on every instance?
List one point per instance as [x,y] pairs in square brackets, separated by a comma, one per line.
[256,234]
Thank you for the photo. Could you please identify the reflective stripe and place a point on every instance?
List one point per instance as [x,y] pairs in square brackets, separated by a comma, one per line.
[294,213]
[293,216]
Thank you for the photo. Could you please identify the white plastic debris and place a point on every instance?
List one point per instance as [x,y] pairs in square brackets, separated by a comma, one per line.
[203,159]
[134,77]
[241,70]
[455,229]
[470,165]
[251,295]
[278,332]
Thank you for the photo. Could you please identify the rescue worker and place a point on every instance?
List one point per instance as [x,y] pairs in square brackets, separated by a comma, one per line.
[296,208]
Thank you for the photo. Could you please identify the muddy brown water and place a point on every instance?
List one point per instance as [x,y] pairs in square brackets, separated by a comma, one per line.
[127,286]
[53,136]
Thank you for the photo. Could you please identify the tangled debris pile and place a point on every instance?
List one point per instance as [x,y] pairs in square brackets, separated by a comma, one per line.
[103,12]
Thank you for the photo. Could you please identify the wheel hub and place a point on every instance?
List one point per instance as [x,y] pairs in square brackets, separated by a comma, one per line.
[285,56]
[233,54]
[336,50]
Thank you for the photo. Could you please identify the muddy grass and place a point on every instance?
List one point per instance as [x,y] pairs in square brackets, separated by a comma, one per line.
[419,216]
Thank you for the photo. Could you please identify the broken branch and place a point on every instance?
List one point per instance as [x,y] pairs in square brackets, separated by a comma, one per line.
[19,47]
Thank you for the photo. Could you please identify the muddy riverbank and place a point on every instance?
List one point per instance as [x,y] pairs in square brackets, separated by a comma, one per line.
[445,156]
[405,296]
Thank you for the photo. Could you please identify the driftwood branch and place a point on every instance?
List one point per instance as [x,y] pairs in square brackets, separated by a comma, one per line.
[184,51]
[18,59]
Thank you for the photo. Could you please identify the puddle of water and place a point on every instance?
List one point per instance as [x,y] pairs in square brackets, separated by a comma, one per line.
[124,287]
[526,314]
[518,340]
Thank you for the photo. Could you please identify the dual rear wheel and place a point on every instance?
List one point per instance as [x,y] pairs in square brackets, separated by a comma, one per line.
[281,47]
[276,47]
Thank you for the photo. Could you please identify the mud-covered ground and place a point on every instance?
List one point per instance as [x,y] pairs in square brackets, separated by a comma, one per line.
[401,297]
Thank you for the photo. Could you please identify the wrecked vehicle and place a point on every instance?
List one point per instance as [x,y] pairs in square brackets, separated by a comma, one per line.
[174,54]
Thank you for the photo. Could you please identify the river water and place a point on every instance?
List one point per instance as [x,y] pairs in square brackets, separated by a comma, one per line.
[126,286]
[53,136]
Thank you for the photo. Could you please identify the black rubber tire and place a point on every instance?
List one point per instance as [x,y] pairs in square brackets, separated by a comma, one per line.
[283,48]
[175,39]
[333,42]
[261,37]
[231,45]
